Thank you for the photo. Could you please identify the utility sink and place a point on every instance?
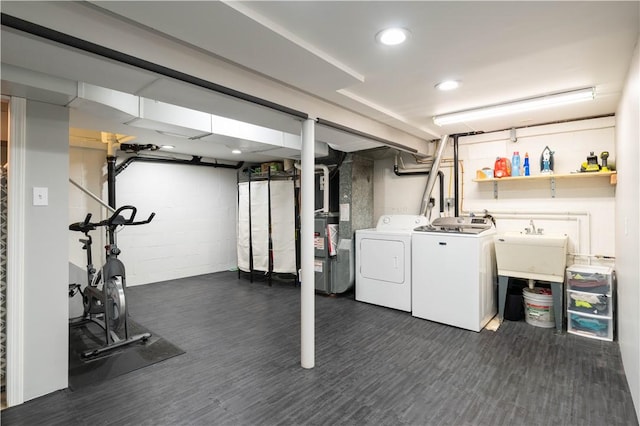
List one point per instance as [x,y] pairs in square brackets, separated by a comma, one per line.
[532,256]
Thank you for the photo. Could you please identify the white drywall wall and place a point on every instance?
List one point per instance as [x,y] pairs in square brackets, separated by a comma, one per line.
[627,228]
[46,330]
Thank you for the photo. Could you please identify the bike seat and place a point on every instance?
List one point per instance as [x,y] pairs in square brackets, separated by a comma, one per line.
[82,227]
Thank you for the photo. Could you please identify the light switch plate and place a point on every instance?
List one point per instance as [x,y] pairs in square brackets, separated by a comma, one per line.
[40,196]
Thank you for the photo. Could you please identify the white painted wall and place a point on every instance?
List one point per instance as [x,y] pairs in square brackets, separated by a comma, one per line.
[87,167]
[193,233]
[627,227]
[582,208]
[46,333]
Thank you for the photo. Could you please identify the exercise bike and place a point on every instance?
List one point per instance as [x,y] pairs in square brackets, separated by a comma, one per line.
[104,298]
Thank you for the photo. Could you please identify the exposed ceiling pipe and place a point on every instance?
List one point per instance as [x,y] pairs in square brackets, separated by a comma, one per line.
[433,175]
[195,161]
[136,148]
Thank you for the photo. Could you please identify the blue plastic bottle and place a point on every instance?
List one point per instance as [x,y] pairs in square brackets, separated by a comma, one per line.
[526,164]
[515,164]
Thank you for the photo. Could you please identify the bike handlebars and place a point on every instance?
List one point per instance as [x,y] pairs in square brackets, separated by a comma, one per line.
[116,219]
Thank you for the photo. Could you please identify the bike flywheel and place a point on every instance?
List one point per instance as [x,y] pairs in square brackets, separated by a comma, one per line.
[117,304]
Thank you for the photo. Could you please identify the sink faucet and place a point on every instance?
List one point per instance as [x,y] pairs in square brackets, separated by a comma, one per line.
[532,229]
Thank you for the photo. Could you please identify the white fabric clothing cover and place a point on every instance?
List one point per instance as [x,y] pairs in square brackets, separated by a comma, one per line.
[282,225]
[283,232]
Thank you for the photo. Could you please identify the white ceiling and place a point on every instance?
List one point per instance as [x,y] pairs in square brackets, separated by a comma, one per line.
[500,51]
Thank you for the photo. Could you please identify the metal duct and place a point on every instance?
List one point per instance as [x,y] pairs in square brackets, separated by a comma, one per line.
[433,175]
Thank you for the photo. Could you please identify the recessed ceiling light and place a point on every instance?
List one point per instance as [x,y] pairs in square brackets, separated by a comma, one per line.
[167,146]
[236,151]
[392,36]
[448,85]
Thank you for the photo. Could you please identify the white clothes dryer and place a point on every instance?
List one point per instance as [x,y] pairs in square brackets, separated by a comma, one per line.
[383,261]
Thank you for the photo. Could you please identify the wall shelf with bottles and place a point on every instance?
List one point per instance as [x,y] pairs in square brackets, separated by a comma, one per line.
[612,176]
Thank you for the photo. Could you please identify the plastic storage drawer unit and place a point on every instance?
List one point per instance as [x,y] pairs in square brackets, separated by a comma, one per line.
[591,326]
[591,279]
[589,303]
[590,307]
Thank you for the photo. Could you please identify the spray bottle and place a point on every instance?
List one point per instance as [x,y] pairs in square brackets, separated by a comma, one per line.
[526,164]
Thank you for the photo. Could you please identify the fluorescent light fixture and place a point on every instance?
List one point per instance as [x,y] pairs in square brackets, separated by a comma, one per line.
[529,104]
[448,85]
[236,151]
[167,146]
[392,36]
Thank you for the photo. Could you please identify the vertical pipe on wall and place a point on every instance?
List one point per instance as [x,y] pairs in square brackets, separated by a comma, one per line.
[456,195]
[307,293]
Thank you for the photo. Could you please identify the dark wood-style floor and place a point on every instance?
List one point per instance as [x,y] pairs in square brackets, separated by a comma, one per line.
[374,366]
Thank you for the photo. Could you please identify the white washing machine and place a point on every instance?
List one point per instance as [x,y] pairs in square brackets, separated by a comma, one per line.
[383,261]
[454,272]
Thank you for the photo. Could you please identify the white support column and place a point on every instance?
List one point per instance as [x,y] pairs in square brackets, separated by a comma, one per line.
[307,294]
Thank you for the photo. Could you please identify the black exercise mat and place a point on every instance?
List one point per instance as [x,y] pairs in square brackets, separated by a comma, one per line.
[83,372]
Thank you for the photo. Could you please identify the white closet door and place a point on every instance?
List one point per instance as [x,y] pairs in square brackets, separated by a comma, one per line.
[283,226]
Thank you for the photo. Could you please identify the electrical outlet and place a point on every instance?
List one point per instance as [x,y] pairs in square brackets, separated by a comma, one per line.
[626,226]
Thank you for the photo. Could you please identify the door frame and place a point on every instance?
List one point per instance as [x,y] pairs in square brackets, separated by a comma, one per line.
[16,163]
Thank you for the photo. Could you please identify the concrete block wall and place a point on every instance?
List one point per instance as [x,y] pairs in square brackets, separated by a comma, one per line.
[193,233]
